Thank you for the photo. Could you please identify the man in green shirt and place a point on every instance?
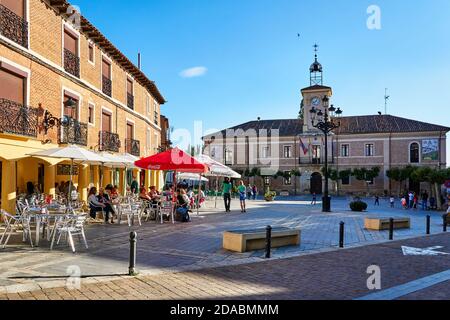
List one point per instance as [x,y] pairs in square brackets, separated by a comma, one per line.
[226,189]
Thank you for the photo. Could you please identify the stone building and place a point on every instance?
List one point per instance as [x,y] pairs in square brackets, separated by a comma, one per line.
[383,141]
[57,68]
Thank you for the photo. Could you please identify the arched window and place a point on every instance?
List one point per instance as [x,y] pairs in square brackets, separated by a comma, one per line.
[414,153]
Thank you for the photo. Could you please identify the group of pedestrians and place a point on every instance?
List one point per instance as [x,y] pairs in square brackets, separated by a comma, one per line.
[244,192]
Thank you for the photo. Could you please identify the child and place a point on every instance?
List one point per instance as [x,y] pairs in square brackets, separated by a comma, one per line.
[392,201]
[242,196]
[404,203]
[377,200]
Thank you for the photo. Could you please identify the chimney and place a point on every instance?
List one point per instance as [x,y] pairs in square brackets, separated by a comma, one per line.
[139,61]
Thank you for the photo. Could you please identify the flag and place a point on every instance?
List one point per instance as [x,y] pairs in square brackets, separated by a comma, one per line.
[304,148]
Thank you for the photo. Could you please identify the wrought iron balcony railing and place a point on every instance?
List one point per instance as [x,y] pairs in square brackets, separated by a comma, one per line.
[71,63]
[18,119]
[74,133]
[13,27]
[133,147]
[107,86]
[130,101]
[109,141]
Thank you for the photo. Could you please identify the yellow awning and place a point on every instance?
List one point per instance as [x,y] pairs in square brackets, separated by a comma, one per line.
[15,152]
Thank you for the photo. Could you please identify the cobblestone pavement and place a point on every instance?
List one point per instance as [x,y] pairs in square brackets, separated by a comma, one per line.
[339,274]
[196,245]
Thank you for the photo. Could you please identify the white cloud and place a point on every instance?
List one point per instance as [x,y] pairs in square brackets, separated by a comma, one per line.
[193,72]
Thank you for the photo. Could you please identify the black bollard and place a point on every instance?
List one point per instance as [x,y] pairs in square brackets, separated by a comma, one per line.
[444,220]
[133,241]
[268,241]
[391,229]
[428,224]
[341,234]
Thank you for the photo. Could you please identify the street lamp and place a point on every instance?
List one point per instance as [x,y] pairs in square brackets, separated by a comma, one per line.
[66,121]
[324,121]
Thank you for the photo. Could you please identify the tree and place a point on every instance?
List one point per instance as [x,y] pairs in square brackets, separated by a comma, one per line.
[406,173]
[344,174]
[394,174]
[438,178]
[364,174]
[301,114]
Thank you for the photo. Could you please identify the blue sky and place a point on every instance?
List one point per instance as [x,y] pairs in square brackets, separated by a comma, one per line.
[256,64]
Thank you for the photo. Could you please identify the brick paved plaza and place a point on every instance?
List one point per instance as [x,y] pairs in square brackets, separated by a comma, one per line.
[172,258]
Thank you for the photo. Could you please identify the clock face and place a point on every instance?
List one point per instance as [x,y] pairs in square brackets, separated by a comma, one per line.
[315,101]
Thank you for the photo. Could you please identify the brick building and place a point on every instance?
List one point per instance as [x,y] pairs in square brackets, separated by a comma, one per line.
[57,68]
[295,145]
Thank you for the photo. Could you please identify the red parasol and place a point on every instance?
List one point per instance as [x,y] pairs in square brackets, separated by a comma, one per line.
[174,159]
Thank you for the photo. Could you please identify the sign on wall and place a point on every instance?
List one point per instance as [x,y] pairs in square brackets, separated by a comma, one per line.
[64,170]
[430,149]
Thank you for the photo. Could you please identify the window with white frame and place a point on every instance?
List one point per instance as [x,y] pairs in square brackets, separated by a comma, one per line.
[228,156]
[345,150]
[287,151]
[91,113]
[369,150]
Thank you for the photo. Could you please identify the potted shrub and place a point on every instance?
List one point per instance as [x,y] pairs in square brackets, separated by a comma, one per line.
[270,196]
[358,206]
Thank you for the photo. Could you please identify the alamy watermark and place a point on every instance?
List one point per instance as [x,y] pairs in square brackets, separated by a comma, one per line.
[73,281]
[374,19]
[374,280]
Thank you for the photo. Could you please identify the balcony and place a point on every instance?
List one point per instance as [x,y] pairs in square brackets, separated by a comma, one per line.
[18,119]
[107,86]
[109,141]
[71,63]
[130,101]
[13,27]
[75,133]
[133,147]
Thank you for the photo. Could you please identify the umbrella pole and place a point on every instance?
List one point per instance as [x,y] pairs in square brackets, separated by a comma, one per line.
[199,192]
[217,190]
[69,199]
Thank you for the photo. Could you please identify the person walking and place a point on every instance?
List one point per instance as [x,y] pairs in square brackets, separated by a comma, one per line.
[377,200]
[255,192]
[411,199]
[314,199]
[242,196]
[425,201]
[392,201]
[226,190]
[249,191]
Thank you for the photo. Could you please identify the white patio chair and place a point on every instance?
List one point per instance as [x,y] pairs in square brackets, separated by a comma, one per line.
[13,224]
[152,211]
[166,209]
[70,227]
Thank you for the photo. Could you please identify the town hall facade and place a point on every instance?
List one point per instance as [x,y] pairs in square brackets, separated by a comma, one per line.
[295,145]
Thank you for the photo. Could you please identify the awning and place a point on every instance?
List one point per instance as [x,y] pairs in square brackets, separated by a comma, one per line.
[11,152]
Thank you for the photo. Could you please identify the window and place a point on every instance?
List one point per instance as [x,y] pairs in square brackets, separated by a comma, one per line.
[265,152]
[371,182]
[213,152]
[345,150]
[287,179]
[130,96]
[91,113]
[148,142]
[106,69]
[71,42]
[316,151]
[130,131]
[346,181]
[106,121]
[414,153]
[287,151]
[13,86]
[228,157]
[16,6]
[369,150]
[147,106]
[91,53]
[156,114]
[71,112]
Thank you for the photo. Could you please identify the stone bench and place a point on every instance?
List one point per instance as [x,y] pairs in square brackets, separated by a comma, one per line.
[383,223]
[250,240]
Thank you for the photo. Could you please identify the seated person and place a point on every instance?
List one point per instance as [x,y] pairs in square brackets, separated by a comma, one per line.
[143,195]
[107,209]
[154,196]
[183,199]
[94,204]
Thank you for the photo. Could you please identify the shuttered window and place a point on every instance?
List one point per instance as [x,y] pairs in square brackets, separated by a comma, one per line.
[130,131]
[70,42]
[106,69]
[12,86]
[91,52]
[129,86]
[68,111]
[106,122]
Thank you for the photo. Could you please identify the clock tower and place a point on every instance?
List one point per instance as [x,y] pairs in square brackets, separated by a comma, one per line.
[314,94]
